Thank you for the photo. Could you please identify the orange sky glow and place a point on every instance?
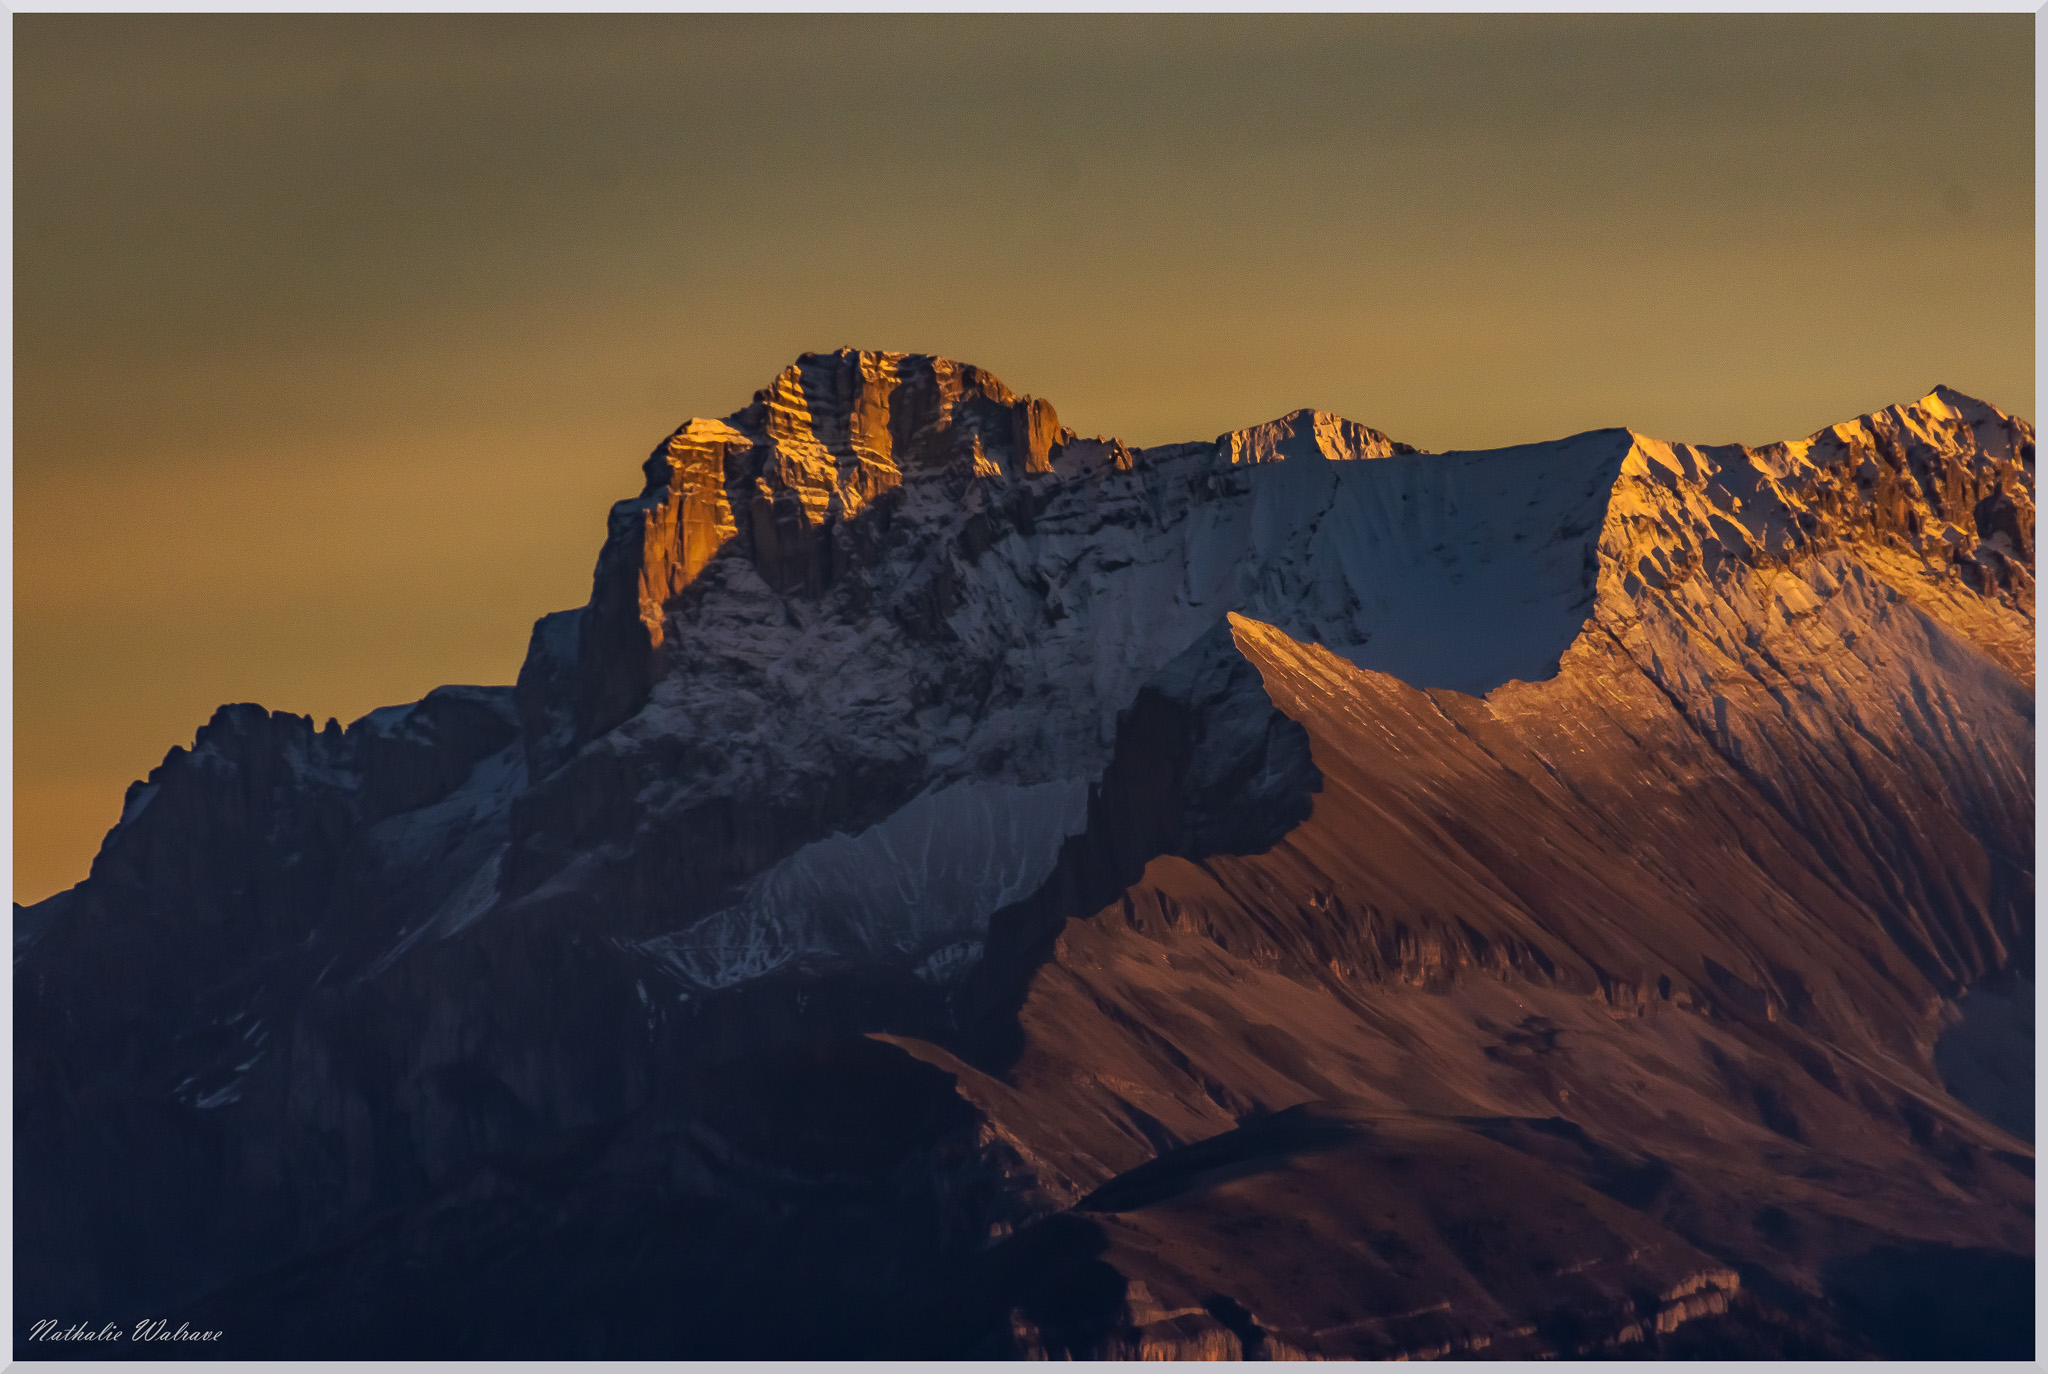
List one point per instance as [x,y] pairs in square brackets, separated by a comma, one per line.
[335,336]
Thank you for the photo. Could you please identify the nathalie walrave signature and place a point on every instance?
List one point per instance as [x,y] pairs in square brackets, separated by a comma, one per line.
[145,1330]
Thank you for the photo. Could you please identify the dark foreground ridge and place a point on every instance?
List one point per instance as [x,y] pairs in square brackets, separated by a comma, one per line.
[962,888]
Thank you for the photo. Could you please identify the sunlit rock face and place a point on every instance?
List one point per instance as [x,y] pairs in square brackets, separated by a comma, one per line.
[787,480]
[963,888]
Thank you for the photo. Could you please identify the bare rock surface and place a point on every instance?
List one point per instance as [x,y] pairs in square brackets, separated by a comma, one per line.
[961,887]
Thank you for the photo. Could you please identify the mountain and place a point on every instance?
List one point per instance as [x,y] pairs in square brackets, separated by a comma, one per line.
[960,888]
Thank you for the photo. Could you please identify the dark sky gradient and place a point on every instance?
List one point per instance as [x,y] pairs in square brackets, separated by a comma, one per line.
[335,336]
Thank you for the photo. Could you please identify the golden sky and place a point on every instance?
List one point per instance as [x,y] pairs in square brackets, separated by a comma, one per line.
[335,336]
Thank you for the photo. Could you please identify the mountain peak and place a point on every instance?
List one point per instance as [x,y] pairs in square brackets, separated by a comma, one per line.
[1307,434]
[910,412]
[1946,403]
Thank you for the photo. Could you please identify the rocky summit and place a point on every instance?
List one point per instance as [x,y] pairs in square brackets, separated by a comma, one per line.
[961,888]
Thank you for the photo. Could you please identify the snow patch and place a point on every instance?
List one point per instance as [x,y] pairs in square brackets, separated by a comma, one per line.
[1457,570]
[472,900]
[946,964]
[930,874]
[476,897]
[137,801]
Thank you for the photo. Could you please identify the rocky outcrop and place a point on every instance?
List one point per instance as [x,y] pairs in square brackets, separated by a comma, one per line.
[785,483]
[1935,499]
[964,888]
[1832,615]
[1307,434]
[248,879]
